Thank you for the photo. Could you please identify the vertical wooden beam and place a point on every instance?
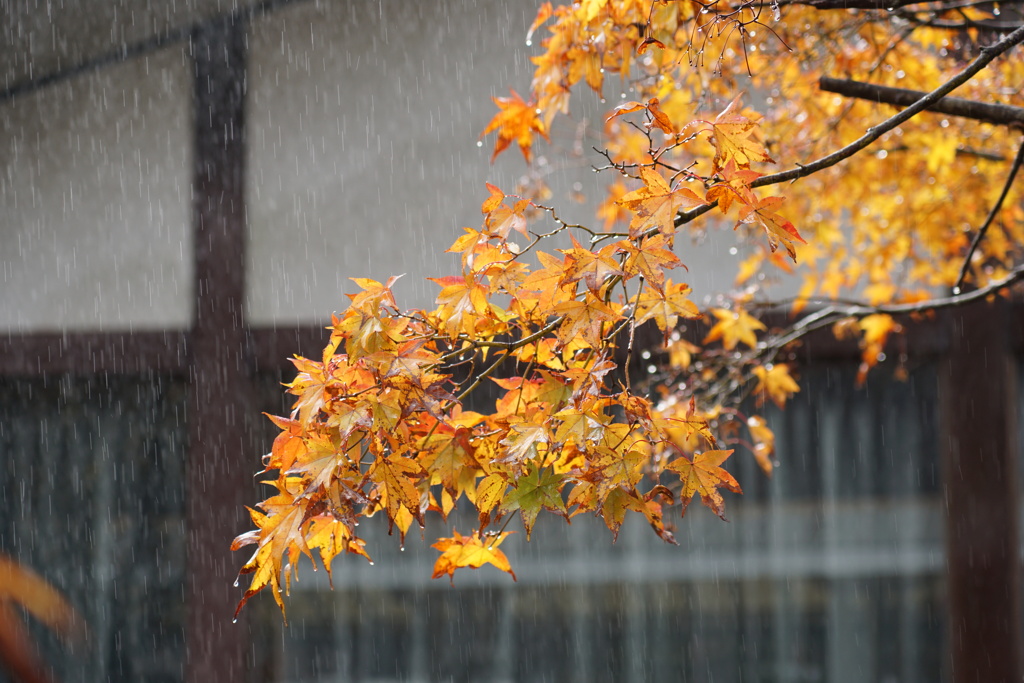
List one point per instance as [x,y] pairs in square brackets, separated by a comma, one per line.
[217,477]
[979,403]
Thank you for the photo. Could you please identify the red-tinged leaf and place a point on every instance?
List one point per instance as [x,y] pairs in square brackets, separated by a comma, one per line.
[470,551]
[649,43]
[778,228]
[659,119]
[703,476]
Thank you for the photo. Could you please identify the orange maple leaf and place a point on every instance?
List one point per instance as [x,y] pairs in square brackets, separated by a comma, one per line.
[704,476]
[656,204]
[20,585]
[395,474]
[650,259]
[584,319]
[777,228]
[516,121]
[470,551]
[591,267]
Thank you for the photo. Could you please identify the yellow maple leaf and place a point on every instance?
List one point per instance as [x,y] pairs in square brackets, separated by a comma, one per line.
[733,327]
[735,138]
[775,382]
[665,305]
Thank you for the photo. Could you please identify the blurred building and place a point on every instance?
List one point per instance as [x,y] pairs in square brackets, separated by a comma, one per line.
[186,188]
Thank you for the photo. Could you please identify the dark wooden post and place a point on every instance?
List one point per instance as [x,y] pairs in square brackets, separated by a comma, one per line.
[218,475]
[979,404]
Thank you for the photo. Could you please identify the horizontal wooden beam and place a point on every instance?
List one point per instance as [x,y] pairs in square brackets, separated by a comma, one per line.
[93,353]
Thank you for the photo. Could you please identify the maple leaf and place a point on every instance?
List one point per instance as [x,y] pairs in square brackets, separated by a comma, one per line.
[501,219]
[447,456]
[703,475]
[579,426]
[734,327]
[395,474]
[374,295]
[523,443]
[619,501]
[545,284]
[584,319]
[649,259]
[279,541]
[735,139]
[489,492]
[461,302]
[532,492]
[764,442]
[777,228]
[20,585]
[594,268]
[470,551]
[665,306]
[656,204]
[516,121]
[735,186]
[332,537]
[775,382]
[658,118]
[876,328]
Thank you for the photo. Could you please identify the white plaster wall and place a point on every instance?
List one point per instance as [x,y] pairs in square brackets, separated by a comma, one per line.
[95,179]
[364,119]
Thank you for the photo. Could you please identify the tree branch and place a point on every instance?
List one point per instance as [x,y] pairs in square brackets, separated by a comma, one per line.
[988,54]
[991,216]
[998,114]
[887,5]
[831,314]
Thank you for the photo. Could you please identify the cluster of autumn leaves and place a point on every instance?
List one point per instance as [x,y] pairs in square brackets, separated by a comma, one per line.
[389,420]
[380,424]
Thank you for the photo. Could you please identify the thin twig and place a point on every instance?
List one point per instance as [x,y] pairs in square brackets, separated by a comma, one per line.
[991,216]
